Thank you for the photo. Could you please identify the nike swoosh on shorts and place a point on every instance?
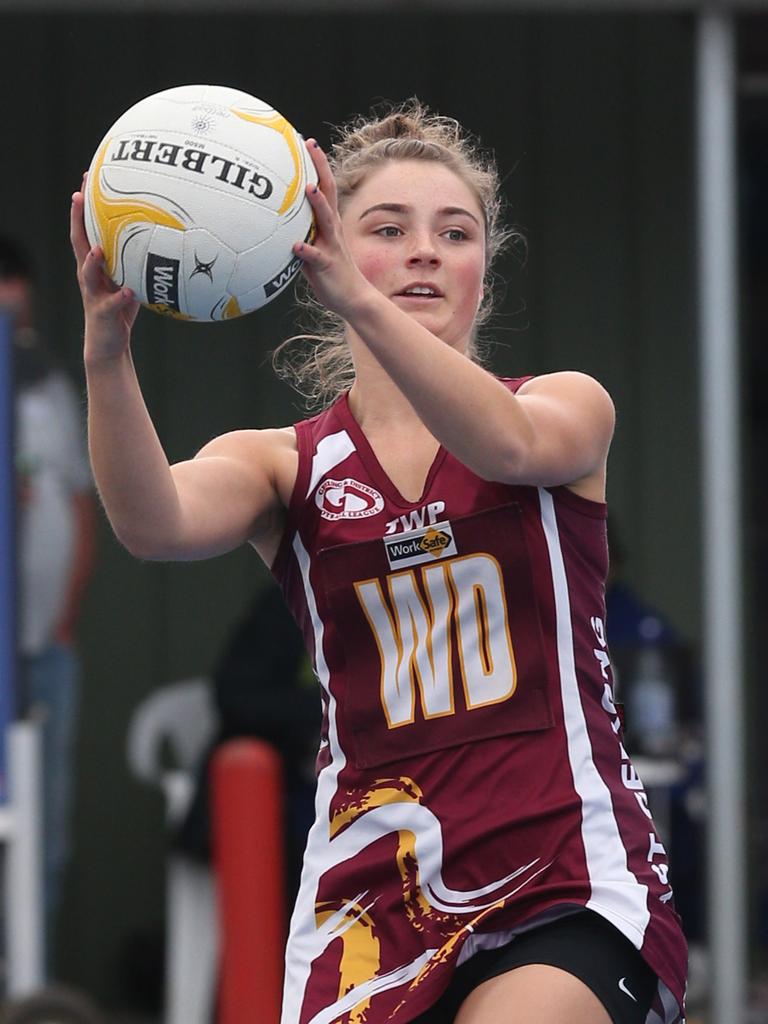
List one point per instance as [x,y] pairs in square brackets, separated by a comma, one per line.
[624,988]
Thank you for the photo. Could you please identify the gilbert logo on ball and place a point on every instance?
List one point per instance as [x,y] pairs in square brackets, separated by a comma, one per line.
[197,195]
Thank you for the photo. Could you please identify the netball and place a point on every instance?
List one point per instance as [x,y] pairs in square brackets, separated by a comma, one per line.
[196,195]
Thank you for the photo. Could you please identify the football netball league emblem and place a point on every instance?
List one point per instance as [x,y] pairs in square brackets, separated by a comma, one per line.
[347,499]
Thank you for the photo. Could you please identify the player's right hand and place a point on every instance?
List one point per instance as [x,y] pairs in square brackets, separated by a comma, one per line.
[110,311]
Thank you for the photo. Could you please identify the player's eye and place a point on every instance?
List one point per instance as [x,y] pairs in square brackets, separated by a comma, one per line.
[388,231]
[455,234]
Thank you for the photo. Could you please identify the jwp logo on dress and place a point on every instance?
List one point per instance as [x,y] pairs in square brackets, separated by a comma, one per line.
[347,499]
[427,515]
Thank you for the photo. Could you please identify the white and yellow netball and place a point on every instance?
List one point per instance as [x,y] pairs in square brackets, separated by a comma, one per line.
[197,195]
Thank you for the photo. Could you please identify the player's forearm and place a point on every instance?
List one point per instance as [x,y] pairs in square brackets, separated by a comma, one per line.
[129,465]
[463,406]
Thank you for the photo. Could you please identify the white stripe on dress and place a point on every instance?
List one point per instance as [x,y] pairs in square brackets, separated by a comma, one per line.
[303,939]
[331,450]
[616,893]
[671,1009]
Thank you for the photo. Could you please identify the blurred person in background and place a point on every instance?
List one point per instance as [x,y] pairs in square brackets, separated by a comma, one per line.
[56,544]
[653,666]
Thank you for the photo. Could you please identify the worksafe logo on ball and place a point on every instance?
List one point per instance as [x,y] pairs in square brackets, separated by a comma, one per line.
[290,271]
[426,545]
[162,281]
[281,280]
[347,499]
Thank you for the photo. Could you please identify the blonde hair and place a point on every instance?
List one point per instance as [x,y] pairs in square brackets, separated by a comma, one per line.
[323,368]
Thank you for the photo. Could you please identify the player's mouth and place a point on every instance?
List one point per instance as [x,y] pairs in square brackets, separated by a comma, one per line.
[420,291]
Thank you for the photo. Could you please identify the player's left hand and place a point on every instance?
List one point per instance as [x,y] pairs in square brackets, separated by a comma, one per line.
[327,264]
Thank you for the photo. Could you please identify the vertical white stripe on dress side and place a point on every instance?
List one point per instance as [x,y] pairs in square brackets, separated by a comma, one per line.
[302,941]
[616,893]
[671,1009]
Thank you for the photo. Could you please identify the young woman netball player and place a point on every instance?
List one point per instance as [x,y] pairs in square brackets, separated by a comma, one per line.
[483,851]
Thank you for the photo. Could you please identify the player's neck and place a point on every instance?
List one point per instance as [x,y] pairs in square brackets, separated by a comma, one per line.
[379,406]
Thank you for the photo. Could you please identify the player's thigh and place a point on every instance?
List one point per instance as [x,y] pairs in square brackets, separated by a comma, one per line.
[533,994]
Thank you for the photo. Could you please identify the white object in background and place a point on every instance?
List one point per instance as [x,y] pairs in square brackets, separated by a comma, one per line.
[181,716]
[21,830]
[651,704]
[192,953]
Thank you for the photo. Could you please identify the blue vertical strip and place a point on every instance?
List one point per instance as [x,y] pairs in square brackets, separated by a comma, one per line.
[7,548]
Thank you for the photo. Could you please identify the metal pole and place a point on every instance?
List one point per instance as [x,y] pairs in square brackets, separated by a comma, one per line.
[7,547]
[721,481]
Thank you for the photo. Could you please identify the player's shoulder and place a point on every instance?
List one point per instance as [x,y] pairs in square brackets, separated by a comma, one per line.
[271,453]
[562,380]
[570,385]
[268,447]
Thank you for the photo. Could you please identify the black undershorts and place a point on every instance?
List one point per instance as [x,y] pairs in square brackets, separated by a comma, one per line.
[583,944]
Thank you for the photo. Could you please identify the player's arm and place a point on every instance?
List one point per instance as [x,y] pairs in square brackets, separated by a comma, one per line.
[229,493]
[572,419]
[557,431]
[206,506]
[223,497]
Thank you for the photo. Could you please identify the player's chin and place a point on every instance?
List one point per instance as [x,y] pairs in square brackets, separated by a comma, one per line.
[430,318]
[442,327]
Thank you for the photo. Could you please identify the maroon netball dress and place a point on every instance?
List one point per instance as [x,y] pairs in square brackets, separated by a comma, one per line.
[472,781]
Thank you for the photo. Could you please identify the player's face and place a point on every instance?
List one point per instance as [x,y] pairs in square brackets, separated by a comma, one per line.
[415,229]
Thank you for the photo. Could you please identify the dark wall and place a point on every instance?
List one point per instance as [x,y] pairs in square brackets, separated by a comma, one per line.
[590,117]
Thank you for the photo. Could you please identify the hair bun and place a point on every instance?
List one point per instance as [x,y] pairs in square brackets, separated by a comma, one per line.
[410,119]
[402,125]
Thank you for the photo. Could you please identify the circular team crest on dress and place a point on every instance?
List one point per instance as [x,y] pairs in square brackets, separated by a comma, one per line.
[347,499]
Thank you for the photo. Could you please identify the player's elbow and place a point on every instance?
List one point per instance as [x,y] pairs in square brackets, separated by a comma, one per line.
[147,547]
[504,467]
[533,466]
[514,464]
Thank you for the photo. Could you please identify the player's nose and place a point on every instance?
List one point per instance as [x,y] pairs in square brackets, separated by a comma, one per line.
[423,252]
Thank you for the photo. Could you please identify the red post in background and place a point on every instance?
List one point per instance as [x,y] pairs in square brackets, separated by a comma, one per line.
[247,819]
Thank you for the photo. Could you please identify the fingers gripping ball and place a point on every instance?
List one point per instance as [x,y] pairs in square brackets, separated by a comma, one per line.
[197,196]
